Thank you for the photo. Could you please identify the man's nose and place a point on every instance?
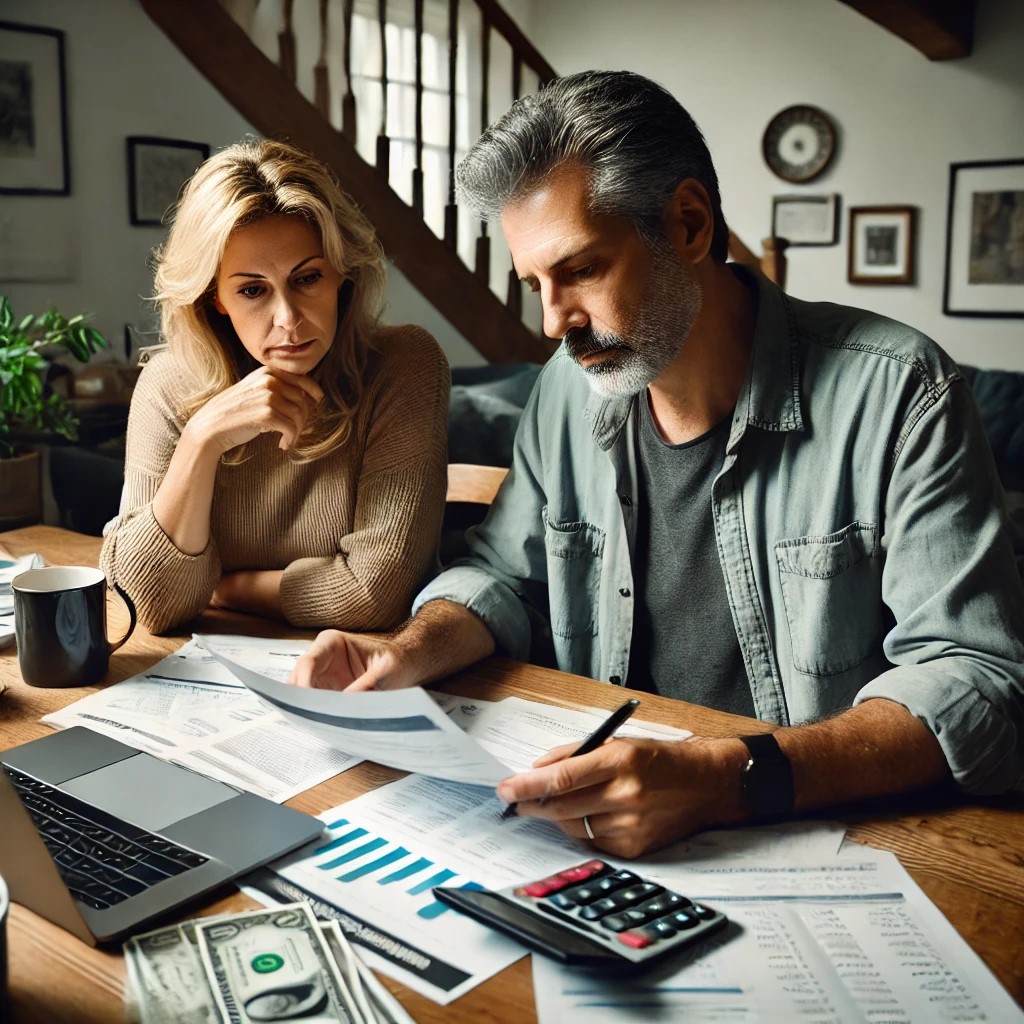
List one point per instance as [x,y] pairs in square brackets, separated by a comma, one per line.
[560,313]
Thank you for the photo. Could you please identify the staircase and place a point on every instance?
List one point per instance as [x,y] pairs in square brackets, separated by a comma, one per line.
[390,94]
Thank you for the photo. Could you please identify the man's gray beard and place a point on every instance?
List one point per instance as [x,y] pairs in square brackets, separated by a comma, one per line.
[657,331]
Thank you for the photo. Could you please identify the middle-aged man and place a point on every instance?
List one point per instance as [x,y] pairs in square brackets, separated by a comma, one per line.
[721,494]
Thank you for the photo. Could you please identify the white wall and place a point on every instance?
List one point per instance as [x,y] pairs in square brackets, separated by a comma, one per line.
[902,120]
[126,78]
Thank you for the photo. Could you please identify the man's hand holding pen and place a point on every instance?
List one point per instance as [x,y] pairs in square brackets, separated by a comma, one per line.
[629,795]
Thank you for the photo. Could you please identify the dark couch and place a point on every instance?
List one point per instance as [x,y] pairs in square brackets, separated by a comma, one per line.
[486,404]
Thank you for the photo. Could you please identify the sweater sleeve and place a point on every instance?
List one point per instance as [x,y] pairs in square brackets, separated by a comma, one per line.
[369,583]
[167,586]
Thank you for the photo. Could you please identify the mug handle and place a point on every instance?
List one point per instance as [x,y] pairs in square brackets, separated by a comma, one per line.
[111,647]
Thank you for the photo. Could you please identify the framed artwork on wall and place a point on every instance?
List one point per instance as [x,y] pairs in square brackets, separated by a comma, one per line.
[806,220]
[157,169]
[985,239]
[33,112]
[881,245]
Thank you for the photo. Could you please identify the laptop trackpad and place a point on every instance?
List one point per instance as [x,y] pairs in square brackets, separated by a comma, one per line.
[148,792]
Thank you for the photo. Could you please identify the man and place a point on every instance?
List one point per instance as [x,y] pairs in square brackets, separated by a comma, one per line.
[721,494]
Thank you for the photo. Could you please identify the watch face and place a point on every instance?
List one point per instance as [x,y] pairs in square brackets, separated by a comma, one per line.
[798,143]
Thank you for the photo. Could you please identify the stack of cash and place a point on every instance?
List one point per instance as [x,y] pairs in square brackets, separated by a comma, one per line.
[264,965]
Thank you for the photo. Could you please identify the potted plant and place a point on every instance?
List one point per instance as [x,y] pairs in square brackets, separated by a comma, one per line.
[29,405]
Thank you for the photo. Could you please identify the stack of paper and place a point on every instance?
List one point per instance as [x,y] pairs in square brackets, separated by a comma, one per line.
[9,569]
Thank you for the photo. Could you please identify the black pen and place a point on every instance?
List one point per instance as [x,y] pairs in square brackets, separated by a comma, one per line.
[594,740]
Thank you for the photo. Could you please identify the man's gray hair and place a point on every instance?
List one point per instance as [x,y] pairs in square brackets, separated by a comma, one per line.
[633,137]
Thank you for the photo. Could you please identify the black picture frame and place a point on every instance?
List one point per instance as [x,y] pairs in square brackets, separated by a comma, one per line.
[806,219]
[985,239]
[34,157]
[157,170]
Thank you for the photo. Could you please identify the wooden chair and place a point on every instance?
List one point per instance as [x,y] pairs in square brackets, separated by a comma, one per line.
[474,484]
[471,489]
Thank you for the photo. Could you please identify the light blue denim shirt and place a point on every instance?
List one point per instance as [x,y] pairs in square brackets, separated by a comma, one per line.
[859,521]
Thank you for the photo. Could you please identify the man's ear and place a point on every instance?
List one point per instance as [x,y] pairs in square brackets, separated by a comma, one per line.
[689,220]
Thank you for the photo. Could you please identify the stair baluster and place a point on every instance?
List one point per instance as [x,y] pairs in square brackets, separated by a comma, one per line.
[483,243]
[286,42]
[321,81]
[383,142]
[451,211]
[417,173]
[348,101]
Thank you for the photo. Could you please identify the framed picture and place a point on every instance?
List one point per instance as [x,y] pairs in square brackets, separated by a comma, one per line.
[806,220]
[985,239]
[881,245]
[157,169]
[33,112]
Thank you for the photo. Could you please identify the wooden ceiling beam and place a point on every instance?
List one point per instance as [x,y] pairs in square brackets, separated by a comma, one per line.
[940,29]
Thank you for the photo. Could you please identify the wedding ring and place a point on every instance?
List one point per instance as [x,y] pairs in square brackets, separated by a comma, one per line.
[586,825]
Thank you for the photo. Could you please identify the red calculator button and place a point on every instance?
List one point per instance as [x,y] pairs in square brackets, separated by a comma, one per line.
[543,887]
[636,939]
[582,872]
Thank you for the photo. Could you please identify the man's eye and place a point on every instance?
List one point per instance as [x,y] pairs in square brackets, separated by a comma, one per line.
[583,272]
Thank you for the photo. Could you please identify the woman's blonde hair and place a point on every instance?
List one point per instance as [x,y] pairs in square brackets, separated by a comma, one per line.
[239,185]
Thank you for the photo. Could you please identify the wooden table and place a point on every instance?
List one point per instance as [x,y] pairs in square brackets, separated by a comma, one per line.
[967,856]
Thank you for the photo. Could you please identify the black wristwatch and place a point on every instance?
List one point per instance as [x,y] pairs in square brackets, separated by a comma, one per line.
[767,778]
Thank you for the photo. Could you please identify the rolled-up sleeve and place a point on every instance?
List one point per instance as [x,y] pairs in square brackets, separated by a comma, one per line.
[952,584]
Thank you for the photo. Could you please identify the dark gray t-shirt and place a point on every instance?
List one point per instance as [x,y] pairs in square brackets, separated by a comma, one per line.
[684,641]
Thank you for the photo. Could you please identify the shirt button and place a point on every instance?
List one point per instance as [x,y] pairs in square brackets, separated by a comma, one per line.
[615,680]
[626,500]
[624,591]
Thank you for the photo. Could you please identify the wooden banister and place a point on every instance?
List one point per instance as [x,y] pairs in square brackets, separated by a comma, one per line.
[262,93]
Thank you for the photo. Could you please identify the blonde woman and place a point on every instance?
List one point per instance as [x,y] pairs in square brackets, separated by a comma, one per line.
[287,456]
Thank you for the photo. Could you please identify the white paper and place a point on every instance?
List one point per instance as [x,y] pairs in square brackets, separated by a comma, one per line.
[850,940]
[191,711]
[401,729]
[9,569]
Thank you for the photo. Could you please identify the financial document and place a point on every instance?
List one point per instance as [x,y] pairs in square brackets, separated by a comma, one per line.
[190,710]
[386,850]
[403,729]
[851,940]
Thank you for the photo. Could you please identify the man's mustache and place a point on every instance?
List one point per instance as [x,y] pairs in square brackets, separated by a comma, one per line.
[581,342]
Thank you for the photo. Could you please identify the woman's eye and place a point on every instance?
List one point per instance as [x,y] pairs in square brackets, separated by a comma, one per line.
[251,291]
[307,279]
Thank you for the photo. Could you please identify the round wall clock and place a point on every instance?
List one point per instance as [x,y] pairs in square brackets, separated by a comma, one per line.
[799,143]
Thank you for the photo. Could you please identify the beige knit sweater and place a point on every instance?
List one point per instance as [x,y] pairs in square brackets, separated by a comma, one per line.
[355,532]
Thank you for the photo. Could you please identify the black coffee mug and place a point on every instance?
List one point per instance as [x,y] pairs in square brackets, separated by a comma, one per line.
[60,621]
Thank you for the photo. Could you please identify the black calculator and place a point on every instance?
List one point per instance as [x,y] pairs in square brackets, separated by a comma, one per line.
[592,915]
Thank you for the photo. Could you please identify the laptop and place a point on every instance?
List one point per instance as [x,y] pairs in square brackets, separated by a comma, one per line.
[101,838]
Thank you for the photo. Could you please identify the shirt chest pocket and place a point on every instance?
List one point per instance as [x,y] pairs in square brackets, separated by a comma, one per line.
[831,588]
[574,553]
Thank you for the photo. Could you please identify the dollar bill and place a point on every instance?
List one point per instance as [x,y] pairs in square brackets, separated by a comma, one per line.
[374,1004]
[272,965]
[168,979]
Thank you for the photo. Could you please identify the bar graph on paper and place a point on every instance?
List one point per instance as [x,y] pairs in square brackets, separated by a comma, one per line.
[355,856]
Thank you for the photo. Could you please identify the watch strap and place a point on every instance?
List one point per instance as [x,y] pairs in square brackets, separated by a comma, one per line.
[767,778]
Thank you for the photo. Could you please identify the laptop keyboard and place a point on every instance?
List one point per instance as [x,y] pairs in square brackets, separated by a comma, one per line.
[102,859]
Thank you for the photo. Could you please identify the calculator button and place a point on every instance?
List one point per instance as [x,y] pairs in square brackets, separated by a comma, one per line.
[581,895]
[704,913]
[625,877]
[616,923]
[660,929]
[609,884]
[582,872]
[599,909]
[666,903]
[637,939]
[683,919]
[543,887]
[636,893]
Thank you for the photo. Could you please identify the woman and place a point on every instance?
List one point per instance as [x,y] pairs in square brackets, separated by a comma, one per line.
[287,456]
